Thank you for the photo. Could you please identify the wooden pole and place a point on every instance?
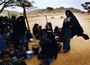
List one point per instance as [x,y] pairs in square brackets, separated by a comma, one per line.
[8,14]
[46,19]
[24,12]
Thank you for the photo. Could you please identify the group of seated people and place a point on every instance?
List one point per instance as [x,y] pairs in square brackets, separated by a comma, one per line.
[14,39]
[38,31]
[48,41]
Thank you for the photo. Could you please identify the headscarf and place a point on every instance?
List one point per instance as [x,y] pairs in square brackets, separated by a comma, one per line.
[20,26]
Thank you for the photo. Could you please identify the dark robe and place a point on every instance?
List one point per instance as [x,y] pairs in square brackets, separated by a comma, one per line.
[76,27]
[45,48]
[49,26]
[19,29]
[35,29]
[54,48]
[20,26]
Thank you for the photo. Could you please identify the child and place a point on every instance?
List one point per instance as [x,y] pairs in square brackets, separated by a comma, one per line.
[6,60]
[13,53]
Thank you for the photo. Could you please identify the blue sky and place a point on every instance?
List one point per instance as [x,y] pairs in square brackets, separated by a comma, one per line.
[55,4]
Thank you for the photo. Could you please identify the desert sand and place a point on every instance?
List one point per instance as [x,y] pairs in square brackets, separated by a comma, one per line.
[80,48]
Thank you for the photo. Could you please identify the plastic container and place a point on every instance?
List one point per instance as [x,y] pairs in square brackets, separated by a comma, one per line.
[29,54]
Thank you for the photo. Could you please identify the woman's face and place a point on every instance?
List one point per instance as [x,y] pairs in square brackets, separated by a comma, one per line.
[67,14]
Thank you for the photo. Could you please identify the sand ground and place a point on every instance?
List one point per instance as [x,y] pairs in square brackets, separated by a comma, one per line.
[80,48]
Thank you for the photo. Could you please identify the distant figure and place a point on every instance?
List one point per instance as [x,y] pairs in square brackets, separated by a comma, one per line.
[49,26]
[39,32]
[56,30]
[58,34]
[35,29]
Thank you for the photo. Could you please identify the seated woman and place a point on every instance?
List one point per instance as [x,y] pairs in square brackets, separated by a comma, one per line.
[35,29]
[53,46]
[61,35]
[45,52]
[39,32]
[56,31]
[49,26]
[45,47]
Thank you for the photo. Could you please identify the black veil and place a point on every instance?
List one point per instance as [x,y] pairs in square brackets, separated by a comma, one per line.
[76,27]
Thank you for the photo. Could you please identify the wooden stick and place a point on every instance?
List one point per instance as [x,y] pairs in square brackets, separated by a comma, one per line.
[8,14]
[46,19]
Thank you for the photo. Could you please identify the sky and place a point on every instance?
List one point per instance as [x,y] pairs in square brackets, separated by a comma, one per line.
[42,4]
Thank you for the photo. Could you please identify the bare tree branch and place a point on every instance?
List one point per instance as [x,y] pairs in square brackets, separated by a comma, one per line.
[20,3]
[86,6]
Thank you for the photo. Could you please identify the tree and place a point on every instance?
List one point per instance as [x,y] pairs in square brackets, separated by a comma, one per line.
[49,9]
[86,6]
[25,4]
[5,4]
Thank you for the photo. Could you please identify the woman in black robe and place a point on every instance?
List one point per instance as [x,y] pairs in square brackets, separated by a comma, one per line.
[71,27]
[76,28]
[19,31]
[53,47]
[49,26]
